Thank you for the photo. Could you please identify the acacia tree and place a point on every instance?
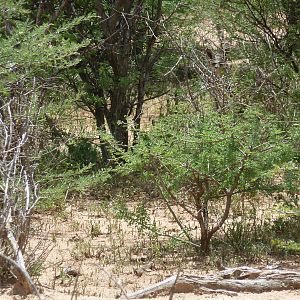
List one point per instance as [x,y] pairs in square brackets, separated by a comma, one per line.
[245,52]
[203,163]
[127,42]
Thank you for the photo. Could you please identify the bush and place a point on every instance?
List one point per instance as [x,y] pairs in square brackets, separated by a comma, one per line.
[201,161]
[82,153]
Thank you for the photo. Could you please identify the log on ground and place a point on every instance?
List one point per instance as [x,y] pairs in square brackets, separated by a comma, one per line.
[229,281]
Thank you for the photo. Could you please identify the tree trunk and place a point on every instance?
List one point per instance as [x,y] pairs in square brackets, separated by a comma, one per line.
[139,108]
[292,10]
[205,242]
[100,123]
[202,217]
[118,116]
[228,282]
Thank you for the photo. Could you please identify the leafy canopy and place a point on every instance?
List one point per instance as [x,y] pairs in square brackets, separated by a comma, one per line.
[216,148]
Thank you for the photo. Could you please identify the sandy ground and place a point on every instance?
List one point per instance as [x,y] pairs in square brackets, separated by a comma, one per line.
[282,295]
[87,240]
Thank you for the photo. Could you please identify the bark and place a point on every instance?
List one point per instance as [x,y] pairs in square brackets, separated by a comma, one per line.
[118,116]
[292,10]
[117,47]
[230,281]
[206,235]
[146,67]
[202,216]
[98,109]
[205,242]
[139,107]
[127,46]
[259,19]
[225,214]
[99,114]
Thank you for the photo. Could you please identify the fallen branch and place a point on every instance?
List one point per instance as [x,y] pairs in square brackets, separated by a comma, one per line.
[229,282]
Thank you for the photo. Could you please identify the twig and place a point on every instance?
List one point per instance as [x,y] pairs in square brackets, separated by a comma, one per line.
[172,69]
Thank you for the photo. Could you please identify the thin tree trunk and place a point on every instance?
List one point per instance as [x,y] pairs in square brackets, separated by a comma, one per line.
[100,123]
[118,116]
[139,108]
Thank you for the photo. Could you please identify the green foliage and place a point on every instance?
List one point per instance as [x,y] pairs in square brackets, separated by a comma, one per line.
[195,160]
[139,217]
[248,239]
[58,186]
[288,247]
[201,160]
[62,174]
[263,38]
[29,51]
[215,146]
[37,268]
[82,153]
[32,59]
[288,228]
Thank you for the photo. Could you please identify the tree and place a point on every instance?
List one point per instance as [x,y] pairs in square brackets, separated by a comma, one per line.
[262,41]
[203,163]
[127,42]
[245,52]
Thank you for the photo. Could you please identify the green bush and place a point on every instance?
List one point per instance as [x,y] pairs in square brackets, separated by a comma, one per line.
[82,153]
[286,246]
[201,161]
[287,228]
